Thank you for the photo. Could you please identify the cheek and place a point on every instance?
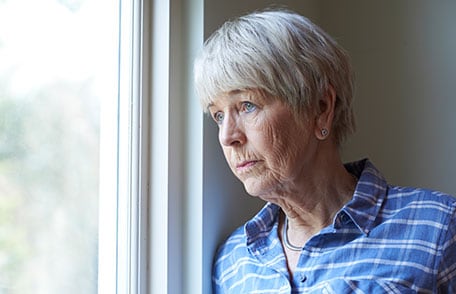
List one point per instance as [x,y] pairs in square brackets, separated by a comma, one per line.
[284,146]
[281,139]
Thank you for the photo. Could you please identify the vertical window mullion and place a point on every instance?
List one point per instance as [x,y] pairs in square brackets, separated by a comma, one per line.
[132,153]
[159,80]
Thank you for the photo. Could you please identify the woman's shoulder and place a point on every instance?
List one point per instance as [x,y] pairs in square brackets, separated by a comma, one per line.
[254,229]
[235,240]
[232,250]
[420,204]
[420,195]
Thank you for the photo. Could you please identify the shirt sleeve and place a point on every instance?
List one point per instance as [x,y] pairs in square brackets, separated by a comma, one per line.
[446,282]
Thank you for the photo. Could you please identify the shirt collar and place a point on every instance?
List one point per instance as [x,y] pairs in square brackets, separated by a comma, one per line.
[260,226]
[369,195]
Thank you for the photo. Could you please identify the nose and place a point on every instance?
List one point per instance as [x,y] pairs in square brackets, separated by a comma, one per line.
[231,132]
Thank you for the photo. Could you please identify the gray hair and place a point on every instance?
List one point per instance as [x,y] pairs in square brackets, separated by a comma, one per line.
[282,54]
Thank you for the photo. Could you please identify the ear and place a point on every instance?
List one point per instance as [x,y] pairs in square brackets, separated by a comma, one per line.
[325,114]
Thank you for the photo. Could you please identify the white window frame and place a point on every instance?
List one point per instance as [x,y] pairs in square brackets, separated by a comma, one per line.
[151,235]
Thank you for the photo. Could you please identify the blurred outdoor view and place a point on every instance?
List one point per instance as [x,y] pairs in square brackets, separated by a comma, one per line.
[58,65]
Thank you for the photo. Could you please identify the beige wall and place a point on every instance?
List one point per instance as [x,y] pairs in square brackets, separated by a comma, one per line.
[403,55]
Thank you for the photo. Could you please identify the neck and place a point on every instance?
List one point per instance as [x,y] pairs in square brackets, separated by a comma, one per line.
[311,204]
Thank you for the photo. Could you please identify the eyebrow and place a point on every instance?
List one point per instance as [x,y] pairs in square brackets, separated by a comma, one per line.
[230,93]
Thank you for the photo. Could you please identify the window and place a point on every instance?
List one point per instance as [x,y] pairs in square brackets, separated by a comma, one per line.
[100,147]
[58,76]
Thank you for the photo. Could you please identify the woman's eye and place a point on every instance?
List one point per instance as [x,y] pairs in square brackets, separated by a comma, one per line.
[218,117]
[248,107]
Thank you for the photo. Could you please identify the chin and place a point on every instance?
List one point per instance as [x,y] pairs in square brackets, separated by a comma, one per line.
[266,188]
[256,188]
[251,187]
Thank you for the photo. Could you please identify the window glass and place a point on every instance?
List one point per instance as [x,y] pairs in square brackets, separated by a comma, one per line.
[58,65]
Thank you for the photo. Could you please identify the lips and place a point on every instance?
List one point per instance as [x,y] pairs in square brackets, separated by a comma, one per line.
[246,164]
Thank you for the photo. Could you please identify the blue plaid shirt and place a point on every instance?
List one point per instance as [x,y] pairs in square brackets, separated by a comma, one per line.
[387,239]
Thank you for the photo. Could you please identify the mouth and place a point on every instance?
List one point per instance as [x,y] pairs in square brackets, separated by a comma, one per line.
[246,164]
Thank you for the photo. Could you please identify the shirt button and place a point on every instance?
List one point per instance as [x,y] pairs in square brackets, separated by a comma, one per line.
[344,219]
[303,278]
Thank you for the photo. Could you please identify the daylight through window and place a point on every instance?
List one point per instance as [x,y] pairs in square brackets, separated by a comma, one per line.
[58,69]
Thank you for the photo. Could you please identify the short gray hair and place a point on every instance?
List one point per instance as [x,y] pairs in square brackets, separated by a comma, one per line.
[282,54]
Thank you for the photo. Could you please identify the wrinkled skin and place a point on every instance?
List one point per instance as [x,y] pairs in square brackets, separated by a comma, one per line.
[265,147]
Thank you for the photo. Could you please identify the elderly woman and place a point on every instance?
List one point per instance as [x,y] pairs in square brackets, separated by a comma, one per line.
[281,90]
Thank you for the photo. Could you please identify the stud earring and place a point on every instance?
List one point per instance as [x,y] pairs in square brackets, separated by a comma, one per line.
[324,132]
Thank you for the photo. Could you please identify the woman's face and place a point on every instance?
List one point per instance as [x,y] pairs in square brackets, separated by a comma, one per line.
[264,145]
